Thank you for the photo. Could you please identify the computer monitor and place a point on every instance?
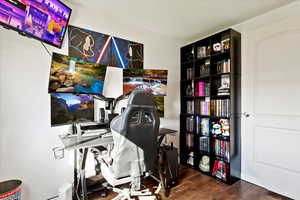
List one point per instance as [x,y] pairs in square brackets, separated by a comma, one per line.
[70,108]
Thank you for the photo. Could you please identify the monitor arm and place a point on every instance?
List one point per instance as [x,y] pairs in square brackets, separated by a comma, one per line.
[110,103]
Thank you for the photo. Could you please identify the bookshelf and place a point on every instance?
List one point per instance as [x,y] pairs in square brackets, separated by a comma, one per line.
[210,139]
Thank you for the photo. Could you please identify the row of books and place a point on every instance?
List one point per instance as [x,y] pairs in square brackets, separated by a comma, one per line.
[222,149]
[215,107]
[220,107]
[204,108]
[223,66]
[190,124]
[189,140]
[189,74]
[203,52]
[190,107]
[202,89]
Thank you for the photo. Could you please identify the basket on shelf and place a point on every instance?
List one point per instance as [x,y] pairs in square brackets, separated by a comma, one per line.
[10,190]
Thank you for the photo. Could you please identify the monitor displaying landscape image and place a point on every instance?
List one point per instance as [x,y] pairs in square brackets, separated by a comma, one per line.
[73,75]
[70,108]
[45,20]
[153,81]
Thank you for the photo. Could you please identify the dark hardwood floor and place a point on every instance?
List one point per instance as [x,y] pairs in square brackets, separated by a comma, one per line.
[196,186]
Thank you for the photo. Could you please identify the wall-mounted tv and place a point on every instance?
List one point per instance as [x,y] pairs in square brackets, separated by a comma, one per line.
[45,20]
[74,75]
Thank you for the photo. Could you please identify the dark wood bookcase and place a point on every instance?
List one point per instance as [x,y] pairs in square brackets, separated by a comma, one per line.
[210,119]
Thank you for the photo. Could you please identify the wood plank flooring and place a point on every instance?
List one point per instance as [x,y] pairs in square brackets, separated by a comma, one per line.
[196,186]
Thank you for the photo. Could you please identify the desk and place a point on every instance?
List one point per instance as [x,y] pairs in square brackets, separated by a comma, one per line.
[82,144]
[72,143]
[166,131]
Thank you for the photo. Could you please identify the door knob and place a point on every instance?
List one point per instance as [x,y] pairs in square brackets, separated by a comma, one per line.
[246,114]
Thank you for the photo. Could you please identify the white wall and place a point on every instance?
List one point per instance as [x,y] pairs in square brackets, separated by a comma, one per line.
[26,138]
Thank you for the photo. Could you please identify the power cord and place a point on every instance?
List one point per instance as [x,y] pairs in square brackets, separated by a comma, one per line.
[46,49]
[55,197]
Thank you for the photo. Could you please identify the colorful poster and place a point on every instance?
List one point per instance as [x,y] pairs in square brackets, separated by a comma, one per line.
[73,75]
[89,45]
[105,49]
[127,54]
[154,81]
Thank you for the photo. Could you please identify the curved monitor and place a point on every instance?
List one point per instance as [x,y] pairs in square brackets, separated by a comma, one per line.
[45,20]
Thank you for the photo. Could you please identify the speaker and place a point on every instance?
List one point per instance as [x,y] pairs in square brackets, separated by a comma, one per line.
[102,115]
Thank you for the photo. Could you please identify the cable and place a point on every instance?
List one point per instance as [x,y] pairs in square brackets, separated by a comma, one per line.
[55,197]
[46,49]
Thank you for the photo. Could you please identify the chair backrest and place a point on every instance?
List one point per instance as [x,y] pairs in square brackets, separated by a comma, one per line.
[135,134]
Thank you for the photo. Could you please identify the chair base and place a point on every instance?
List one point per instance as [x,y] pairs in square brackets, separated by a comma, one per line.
[126,194]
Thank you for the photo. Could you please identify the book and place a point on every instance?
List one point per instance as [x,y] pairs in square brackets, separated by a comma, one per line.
[189,73]
[198,125]
[224,88]
[205,127]
[201,89]
[190,124]
[189,141]
[190,107]
[223,66]
[204,144]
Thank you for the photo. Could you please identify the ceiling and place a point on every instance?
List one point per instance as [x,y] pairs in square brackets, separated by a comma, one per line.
[185,19]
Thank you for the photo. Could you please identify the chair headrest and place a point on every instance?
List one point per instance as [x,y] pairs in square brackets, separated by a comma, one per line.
[141,98]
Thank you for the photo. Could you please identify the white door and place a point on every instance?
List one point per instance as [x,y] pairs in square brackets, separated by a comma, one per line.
[271,95]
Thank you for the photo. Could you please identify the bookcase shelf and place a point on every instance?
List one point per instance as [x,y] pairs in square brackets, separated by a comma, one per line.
[210,103]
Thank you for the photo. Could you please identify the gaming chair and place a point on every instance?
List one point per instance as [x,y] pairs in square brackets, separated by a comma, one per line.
[134,153]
